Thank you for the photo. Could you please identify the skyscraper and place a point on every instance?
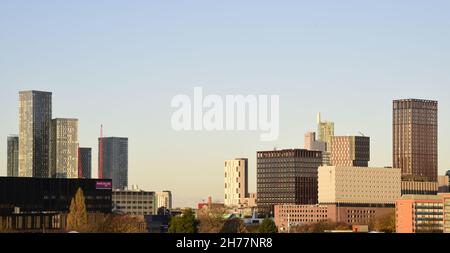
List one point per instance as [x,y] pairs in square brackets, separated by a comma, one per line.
[236,181]
[85,162]
[286,177]
[415,138]
[350,151]
[114,157]
[325,131]
[13,156]
[64,148]
[35,115]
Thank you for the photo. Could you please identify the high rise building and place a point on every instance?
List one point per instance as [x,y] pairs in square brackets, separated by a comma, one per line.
[64,148]
[85,162]
[350,151]
[164,199]
[311,143]
[35,115]
[286,177]
[236,181]
[415,138]
[325,131]
[13,156]
[114,158]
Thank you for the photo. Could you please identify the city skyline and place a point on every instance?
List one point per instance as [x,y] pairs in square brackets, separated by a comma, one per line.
[349,67]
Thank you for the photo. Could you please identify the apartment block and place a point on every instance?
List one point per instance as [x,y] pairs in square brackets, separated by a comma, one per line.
[236,181]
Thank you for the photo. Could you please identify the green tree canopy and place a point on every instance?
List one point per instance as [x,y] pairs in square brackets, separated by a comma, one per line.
[185,223]
[268,227]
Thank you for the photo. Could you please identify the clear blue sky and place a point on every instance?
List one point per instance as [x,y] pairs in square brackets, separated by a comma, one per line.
[120,62]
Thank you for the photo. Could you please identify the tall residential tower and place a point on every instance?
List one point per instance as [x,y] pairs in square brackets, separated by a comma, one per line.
[64,148]
[236,181]
[35,115]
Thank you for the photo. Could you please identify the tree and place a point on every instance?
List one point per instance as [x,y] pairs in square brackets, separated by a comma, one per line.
[385,223]
[119,224]
[268,227]
[4,227]
[319,227]
[211,219]
[77,219]
[185,223]
[234,226]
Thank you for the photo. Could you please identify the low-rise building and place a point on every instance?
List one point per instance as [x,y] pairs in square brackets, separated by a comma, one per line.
[134,202]
[443,184]
[423,213]
[419,187]
[359,185]
[351,195]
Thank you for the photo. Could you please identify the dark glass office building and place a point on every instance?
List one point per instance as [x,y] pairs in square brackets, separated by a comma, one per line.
[52,195]
[287,177]
[13,156]
[115,161]
[85,162]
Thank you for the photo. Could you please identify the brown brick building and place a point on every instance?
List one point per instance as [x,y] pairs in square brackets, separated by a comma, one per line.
[415,138]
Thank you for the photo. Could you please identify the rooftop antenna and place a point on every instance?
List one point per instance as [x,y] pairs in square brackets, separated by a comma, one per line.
[100,154]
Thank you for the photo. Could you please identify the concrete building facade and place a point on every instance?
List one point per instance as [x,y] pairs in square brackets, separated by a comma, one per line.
[359,185]
[236,181]
[419,188]
[164,199]
[134,202]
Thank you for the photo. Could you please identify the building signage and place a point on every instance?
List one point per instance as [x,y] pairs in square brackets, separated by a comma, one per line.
[103,185]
